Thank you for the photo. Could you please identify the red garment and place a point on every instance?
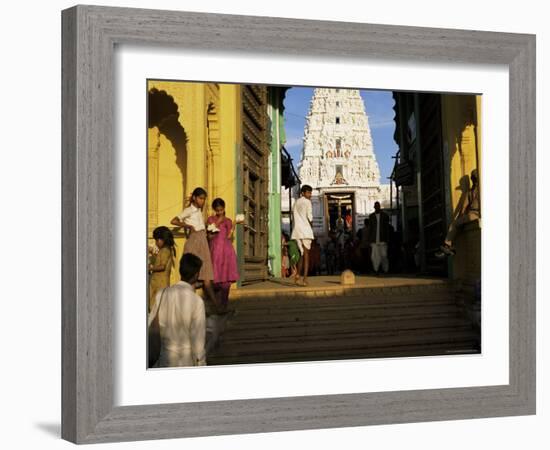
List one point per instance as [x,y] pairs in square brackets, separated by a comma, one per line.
[349,221]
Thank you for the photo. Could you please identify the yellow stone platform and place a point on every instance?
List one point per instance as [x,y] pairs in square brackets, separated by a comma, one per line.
[330,285]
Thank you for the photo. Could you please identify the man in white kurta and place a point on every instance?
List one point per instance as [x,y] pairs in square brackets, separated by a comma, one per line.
[379,229]
[302,232]
[182,319]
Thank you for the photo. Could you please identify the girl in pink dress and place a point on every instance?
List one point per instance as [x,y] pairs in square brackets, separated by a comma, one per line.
[224,259]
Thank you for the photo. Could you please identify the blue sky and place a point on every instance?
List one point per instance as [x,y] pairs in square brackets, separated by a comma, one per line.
[379,107]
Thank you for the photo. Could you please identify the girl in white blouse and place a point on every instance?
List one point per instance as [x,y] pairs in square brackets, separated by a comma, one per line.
[197,243]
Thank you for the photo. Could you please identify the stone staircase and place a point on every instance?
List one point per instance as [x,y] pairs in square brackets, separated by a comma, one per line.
[356,323]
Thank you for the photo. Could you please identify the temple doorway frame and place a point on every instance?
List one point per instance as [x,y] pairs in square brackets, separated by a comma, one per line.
[335,197]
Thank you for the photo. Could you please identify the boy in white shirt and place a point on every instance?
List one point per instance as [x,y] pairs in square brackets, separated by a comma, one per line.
[182,319]
[302,232]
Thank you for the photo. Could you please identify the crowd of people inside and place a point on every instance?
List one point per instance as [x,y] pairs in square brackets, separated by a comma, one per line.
[374,249]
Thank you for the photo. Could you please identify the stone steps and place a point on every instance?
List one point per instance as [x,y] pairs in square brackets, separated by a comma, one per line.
[350,348]
[276,317]
[441,295]
[308,328]
[335,328]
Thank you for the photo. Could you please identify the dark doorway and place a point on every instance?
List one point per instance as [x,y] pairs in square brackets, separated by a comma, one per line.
[433,193]
[420,174]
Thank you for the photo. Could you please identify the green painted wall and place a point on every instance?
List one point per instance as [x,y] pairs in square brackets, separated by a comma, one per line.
[277,140]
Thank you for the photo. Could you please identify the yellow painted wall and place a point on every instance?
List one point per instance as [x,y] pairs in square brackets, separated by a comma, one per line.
[461,116]
[165,191]
[225,162]
[211,116]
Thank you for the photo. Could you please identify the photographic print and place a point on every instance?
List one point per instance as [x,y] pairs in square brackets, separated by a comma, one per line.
[291,224]
[232,169]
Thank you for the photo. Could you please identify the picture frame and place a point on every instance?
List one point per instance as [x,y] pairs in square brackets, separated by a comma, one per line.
[89,37]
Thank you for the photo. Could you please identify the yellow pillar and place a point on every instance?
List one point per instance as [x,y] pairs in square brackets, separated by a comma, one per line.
[225,164]
[462,134]
[153,147]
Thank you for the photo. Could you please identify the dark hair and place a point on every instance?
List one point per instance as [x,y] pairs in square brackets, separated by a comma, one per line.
[190,265]
[306,188]
[377,203]
[166,235]
[218,202]
[197,192]
[473,176]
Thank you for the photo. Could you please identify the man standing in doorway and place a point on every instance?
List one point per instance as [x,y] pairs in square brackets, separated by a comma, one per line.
[349,219]
[302,215]
[379,231]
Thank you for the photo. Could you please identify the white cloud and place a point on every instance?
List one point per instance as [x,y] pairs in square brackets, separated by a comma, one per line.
[294,141]
[382,123]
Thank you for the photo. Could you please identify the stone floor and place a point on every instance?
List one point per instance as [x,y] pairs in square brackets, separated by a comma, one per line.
[330,285]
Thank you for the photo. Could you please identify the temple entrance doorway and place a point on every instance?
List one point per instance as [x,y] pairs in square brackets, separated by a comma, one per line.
[340,212]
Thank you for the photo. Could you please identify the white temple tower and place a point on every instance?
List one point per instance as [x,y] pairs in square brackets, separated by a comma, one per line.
[338,161]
